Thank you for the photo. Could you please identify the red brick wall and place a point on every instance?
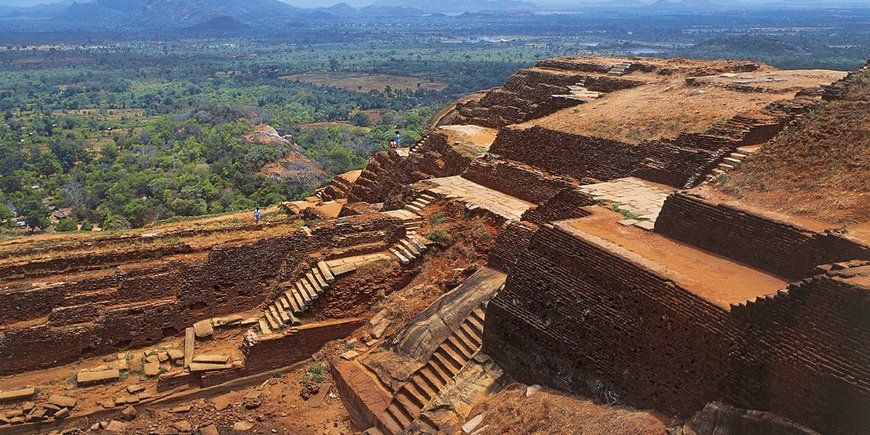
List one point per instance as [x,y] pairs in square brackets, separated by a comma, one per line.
[512,241]
[777,247]
[578,316]
[516,179]
[805,355]
[582,319]
[285,350]
[142,307]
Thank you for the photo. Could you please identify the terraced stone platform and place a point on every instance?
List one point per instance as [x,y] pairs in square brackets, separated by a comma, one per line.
[639,197]
[476,195]
[716,279]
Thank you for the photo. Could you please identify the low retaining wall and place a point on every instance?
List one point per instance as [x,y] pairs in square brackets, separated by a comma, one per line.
[580,315]
[69,321]
[273,353]
[774,246]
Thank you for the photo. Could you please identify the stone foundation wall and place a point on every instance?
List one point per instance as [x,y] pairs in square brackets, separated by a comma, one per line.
[805,354]
[678,163]
[284,350]
[516,179]
[774,246]
[580,315]
[567,204]
[584,319]
[101,315]
[512,241]
[387,172]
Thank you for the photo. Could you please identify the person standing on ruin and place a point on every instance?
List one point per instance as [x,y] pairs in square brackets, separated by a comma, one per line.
[257,215]
[393,145]
[398,139]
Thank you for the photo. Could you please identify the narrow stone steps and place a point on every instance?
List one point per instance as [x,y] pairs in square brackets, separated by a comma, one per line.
[402,259]
[264,326]
[410,247]
[398,414]
[324,270]
[419,396]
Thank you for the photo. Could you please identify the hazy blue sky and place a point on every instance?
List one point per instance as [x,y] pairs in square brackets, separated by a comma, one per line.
[357,3]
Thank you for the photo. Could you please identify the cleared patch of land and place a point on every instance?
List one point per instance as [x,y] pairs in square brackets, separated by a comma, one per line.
[362,82]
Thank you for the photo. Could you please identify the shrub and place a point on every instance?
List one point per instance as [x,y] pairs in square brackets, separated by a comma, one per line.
[65,226]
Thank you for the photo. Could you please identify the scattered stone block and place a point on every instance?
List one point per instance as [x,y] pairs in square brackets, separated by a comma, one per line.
[131,398]
[145,395]
[51,409]
[209,430]
[627,222]
[14,413]
[63,413]
[381,327]
[38,414]
[532,389]
[135,363]
[646,225]
[212,359]
[28,406]
[116,426]
[183,426]
[350,355]
[472,424]
[16,420]
[220,402]
[203,328]
[162,356]
[129,413]
[181,409]
[317,399]
[252,400]
[135,388]
[247,322]
[189,339]
[152,369]
[120,400]
[98,377]
[227,321]
[175,354]
[13,395]
[152,359]
[242,426]
[61,401]
[381,315]
[108,403]
[166,431]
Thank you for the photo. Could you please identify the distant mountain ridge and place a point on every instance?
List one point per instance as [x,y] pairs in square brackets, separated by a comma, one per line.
[177,14]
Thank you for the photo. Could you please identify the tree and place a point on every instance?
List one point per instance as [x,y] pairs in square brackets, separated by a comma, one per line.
[35,214]
[360,119]
[65,226]
[86,226]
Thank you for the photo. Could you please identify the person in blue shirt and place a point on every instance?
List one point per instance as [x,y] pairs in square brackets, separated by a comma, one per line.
[398,139]
[257,215]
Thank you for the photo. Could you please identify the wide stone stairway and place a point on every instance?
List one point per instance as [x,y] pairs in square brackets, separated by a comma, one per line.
[447,360]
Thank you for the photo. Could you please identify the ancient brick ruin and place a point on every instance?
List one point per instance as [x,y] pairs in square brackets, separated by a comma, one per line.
[561,248]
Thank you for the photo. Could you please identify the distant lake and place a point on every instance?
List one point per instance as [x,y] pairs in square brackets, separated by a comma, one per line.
[644,51]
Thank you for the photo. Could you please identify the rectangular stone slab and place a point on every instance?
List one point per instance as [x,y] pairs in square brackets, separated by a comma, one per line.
[90,378]
[19,394]
[212,359]
[201,367]
[61,401]
[189,338]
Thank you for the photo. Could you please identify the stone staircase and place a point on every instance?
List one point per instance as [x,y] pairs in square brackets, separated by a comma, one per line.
[413,245]
[728,163]
[620,69]
[447,360]
[413,148]
[579,92]
[297,299]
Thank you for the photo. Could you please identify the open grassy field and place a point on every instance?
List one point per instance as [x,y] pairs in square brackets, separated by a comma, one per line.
[364,82]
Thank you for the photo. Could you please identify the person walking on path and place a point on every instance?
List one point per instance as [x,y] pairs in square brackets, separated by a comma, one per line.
[257,215]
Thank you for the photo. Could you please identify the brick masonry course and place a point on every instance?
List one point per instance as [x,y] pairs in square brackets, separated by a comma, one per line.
[580,318]
[774,246]
[139,309]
